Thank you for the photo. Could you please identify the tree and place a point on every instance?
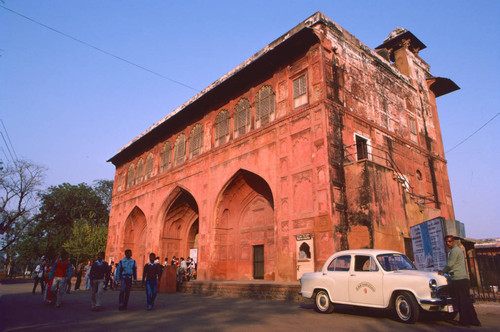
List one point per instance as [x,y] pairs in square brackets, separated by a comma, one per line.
[104,190]
[62,213]
[86,240]
[20,184]
[62,206]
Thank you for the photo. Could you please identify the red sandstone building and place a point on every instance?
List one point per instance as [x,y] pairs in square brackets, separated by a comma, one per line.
[317,143]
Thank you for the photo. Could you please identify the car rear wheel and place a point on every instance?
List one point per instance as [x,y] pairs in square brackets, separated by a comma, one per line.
[406,308]
[323,303]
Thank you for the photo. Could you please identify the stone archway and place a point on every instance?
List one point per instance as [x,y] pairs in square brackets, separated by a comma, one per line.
[135,237]
[180,225]
[244,220]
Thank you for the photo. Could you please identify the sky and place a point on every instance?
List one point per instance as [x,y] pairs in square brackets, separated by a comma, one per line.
[80,79]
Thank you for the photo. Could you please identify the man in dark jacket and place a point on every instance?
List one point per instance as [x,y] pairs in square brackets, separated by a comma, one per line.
[98,272]
[151,276]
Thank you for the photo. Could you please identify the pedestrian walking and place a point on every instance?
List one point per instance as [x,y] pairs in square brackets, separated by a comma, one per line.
[191,268]
[79,273]
[40,271]
[459,283]
[109,276]
[127,271]
[87,275]
[98,272]
[59,274]
[116,277]
[150,277]
[181,271]
[47,298]
[68,288]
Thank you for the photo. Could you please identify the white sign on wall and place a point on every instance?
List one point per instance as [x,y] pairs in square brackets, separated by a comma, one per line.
[193,253]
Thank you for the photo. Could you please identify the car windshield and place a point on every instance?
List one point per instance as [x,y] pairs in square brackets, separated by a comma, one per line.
[394,262]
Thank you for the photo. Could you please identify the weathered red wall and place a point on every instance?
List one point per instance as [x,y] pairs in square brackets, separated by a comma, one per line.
[296,175]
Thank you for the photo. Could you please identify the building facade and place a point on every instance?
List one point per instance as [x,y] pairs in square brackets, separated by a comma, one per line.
[315,144]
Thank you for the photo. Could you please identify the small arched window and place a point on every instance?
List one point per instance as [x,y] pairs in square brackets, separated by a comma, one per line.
[180,149]
[222,128]
[140,171]
[196,140]
[264,106]
[149,166]
[130,176]
[166,157]
[241,118]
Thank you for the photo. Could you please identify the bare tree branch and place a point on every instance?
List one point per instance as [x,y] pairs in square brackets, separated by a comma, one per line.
[19,187]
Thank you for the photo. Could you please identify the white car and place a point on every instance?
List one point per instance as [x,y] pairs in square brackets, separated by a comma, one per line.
[379,279]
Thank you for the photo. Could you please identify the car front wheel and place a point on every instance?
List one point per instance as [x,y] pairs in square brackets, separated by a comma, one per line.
[323,303]
[406,308]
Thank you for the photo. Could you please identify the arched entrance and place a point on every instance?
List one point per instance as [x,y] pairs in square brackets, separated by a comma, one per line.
[180,226]
[135,238]
[243,243]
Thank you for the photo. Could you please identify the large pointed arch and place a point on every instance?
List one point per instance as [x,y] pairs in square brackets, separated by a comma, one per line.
[135,237]
[244,220]
[180,225]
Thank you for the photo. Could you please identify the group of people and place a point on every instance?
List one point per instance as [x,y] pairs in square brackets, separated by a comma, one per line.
[186,269]
[55,279]
[83,270]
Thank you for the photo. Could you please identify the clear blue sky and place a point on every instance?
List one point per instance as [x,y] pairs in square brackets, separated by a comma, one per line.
[70,107]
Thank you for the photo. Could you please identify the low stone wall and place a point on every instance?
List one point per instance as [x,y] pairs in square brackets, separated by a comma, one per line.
[263,291]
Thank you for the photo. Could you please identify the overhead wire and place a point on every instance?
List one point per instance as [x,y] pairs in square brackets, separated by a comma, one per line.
[101,50]
[7,146]
[465,139]
[8,138]
[163,76]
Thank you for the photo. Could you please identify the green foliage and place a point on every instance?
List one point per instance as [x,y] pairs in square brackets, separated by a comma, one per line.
[104,190]
[71,217]
[86,240]
[61,206]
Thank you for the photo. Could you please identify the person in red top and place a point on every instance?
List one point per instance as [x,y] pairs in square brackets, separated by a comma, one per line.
[48,283]
[59,274]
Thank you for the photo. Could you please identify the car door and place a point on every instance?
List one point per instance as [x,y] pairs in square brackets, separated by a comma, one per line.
[365,281]
[336,278]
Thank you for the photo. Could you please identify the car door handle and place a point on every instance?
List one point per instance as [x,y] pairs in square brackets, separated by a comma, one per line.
[353,274]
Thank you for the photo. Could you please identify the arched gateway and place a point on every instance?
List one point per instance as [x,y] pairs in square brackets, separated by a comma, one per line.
[243,243]
[135,237]
[180,225]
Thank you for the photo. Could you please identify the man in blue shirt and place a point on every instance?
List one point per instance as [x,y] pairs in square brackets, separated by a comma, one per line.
[127,269]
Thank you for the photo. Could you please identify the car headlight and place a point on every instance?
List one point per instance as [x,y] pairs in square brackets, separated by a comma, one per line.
[432,284]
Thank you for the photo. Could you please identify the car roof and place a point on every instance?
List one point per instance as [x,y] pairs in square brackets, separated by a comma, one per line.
[366,252]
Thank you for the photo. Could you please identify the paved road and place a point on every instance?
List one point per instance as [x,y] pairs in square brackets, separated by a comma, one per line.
[22,311]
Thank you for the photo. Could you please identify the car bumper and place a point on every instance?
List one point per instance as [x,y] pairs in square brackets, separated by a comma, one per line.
[306,294]
[439,302]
